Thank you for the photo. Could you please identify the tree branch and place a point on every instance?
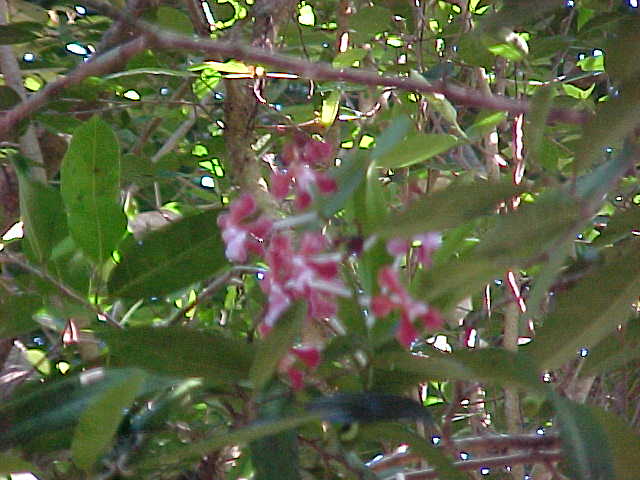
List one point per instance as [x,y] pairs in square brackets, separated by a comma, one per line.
[306,69]
[99,65]
[491,462]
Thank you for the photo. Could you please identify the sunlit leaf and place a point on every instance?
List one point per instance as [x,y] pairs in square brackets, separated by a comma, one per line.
[90,187]
[417,148]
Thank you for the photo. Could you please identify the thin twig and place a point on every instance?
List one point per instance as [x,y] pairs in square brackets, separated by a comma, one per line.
[10,257]
[317,71]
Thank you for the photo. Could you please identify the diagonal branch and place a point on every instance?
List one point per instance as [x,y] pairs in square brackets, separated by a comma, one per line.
[306,69]
[100,65]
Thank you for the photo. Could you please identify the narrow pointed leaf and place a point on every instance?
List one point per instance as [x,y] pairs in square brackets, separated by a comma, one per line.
[417,148]
[100,420]
[591,310]
[171,258]
[584,441]
[456,204]
[90,186]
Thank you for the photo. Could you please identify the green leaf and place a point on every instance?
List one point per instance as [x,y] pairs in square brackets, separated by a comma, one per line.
[90,187]
[584,441]
[348,176]
[235,437]
[619,226]
[623,441]
[19,32]
[591,310]
[485,123]
[391,136]
[536,122]
[275,346]
[417,148]
[614,120]
[516,369]
[173,19]
[348,58]
[41,417]
[330,106]
[615,351]
[180,352]
[12,463]
[16,312]
[99,422]
[576,92]
[459,203]
[170,258]
[42,212]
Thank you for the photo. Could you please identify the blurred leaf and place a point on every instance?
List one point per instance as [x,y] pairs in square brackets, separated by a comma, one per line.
[485,123]
[619,226]
[270,351]
[348,175]
[16,312]
[19,32]
[42,212]
[347,59]
[100,420]
[391,136]
[369,21]
[180,352]
[624,443]
[615,351]
[536,122]
[90,187]
[8,97]
[587,313]
[275,456]
[330,106]
[450,207]
[41,416]
[621,48]
[614,120]
[170,258]
[417,148]
[169,18]
[234,437]
[584,441]
[516,369]
[12,463]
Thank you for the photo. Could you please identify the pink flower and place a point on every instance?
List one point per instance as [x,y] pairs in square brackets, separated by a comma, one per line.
[240,236]
[300,157]
[429,243]
[307,274]
[394,296]
[290,364]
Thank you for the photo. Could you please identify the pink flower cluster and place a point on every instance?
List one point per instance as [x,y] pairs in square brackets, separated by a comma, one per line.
[306,269]
[394,296]
[301,158]
[306,273]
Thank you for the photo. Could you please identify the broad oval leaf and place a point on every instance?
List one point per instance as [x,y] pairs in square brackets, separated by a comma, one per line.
[170,258]
[90,186]
[100,420]
[417,148]
[180,352]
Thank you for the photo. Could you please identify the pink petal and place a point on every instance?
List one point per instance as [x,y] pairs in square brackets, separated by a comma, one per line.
[280,185]
[398,246]
[381,306]
[406,333]
[388,278]
[310,356]
[432,319]
[242,207]
[296,377]
[326,184]
[302,200]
